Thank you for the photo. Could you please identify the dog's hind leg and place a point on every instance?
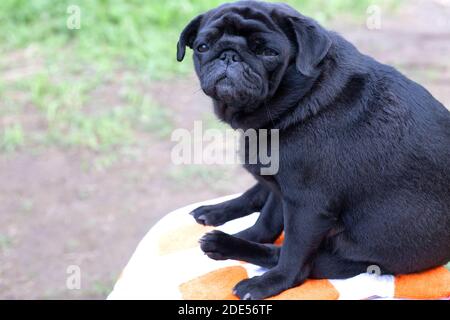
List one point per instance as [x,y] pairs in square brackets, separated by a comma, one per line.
[327,265]
[221,246]
[251,201]
[269,224]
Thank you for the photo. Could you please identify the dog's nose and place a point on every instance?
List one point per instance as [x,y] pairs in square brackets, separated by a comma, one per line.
[230,56]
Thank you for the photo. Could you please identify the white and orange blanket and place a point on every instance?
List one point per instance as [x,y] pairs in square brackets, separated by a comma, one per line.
[168,264]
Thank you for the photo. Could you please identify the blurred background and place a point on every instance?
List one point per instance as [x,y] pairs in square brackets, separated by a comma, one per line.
[86,116]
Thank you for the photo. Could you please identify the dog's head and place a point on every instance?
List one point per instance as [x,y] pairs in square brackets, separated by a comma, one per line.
[242,50]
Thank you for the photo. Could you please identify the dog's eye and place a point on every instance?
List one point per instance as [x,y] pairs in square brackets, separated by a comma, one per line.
[203,47]
[267,52]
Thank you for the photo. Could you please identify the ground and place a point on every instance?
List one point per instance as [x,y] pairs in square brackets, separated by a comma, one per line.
[62,206]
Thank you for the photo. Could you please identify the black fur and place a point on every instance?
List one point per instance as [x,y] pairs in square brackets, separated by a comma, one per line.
[364,174]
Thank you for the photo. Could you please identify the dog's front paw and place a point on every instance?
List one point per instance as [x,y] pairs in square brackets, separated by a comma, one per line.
[214,215]
[217,245]
[269,284]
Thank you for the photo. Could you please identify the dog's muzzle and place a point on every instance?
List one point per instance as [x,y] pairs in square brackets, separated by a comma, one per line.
[230,80]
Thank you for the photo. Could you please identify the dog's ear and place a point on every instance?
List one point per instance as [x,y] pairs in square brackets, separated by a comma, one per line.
[187,37]
[312,43]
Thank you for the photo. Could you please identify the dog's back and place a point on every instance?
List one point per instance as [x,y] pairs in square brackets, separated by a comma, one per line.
[398,212]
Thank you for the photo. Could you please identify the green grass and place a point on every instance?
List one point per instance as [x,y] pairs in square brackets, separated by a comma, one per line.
[215,177]
[111,127]
[12,138]
[5,242]
[188,174]
[134,33]
[73,117]
[27,205]
[102,288]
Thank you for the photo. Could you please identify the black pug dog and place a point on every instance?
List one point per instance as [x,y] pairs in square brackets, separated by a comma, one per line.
[364,172]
